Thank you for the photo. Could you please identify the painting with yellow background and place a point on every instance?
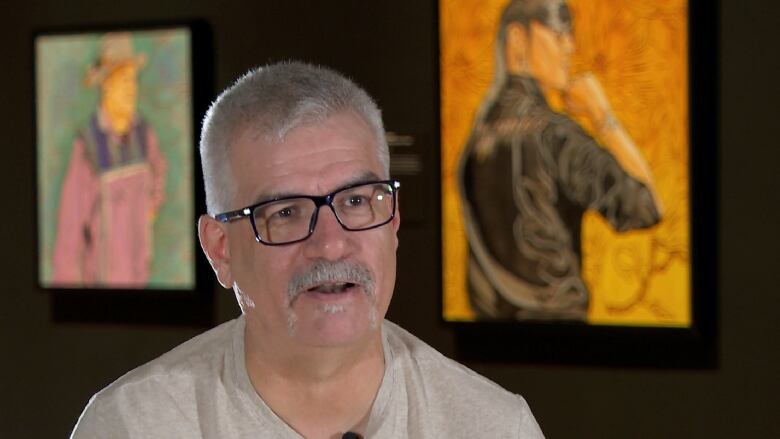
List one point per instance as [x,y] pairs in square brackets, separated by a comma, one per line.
[584,106]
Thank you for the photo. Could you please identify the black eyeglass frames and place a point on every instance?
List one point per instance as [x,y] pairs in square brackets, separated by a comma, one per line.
[291,219]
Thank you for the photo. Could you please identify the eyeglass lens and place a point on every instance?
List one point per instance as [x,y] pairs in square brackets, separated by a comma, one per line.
[357,208]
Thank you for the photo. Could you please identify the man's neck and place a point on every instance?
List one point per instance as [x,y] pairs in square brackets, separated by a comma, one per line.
[319,392]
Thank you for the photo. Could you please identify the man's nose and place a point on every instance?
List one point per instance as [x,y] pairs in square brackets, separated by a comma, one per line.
[329,240]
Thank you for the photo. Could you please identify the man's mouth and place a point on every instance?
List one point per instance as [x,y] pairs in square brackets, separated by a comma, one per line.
[332,288]
[331,281]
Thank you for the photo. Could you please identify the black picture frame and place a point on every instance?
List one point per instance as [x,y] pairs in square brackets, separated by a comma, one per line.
[693,347]
[189,303]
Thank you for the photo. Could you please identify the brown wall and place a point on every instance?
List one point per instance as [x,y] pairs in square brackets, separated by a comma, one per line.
[49,370]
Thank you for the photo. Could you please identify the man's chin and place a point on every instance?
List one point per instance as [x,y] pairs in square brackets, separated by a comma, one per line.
[332,324]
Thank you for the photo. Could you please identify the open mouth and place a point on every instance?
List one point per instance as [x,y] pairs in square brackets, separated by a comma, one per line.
[332,288]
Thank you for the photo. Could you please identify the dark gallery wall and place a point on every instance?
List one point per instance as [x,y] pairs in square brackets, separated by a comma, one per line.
[48,370]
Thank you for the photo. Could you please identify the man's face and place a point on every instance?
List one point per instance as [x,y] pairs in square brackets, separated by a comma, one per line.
[550,55]
[118,94]
[313,159]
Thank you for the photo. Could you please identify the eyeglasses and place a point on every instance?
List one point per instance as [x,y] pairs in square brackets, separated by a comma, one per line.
[287,220]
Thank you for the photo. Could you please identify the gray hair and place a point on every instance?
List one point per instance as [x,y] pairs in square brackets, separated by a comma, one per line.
[273,100]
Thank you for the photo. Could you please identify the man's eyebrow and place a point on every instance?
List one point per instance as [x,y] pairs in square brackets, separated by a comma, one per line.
[362,178]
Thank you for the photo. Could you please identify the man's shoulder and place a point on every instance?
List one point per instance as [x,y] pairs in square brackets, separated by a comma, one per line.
[440,373]
[506,127]
[169,383]
[451,398]
[204,351]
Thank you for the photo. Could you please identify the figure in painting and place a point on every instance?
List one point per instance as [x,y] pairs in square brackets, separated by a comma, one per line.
[114,184]
[529,173]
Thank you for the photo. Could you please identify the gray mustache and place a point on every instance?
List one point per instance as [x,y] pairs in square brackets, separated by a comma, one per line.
[325,271]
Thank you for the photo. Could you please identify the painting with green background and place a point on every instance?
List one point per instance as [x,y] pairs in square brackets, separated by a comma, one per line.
[64,105]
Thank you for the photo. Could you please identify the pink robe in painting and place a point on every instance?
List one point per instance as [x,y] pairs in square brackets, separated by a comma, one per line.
[111,194]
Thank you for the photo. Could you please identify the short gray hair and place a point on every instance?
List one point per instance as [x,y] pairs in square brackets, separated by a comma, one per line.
[273,100]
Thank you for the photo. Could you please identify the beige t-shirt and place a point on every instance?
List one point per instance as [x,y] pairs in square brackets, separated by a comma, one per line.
[201,389]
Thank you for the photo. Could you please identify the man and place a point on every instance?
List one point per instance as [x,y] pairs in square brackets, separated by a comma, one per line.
[302,226]
[528,173]
[115,182]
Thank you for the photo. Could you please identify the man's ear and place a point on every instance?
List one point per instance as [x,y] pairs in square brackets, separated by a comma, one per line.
[214,242]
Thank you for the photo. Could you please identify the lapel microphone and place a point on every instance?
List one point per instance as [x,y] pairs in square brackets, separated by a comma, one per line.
[350,435]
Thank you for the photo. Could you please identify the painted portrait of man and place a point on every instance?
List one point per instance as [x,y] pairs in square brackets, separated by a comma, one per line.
[115,181]
[113,199]
[546,155]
